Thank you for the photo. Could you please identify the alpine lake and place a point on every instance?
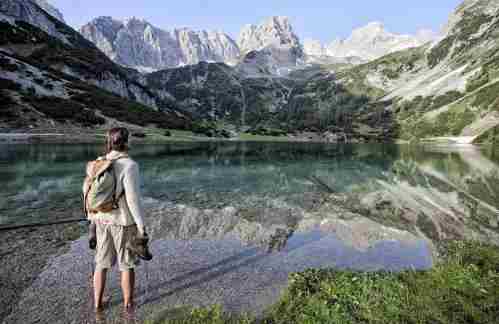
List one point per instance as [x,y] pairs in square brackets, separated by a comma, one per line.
[229,221]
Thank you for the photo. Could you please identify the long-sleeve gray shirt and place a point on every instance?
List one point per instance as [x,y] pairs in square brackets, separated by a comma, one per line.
[130,210]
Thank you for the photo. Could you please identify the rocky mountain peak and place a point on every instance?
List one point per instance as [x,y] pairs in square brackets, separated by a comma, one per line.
[373,41]
[53,11]
[372,28]
[137,43]
[274,31]
[134,22]
[31,12]
[488,7]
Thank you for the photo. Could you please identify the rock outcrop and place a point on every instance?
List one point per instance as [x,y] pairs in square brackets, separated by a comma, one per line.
[138,44]
[53,11]
[271,47]
[273,32]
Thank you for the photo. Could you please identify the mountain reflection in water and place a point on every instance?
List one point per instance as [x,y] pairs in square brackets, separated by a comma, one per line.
[265,193]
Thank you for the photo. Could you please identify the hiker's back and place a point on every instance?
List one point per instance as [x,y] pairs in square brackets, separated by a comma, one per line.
[126,172]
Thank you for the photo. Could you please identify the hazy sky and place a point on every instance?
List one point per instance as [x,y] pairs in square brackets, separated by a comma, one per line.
[320,19]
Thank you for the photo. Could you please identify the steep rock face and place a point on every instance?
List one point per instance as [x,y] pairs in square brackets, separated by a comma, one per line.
[103,34]
[29,11]
[276,61]
[485,6]
[138,44]
[53,11]
[373,41]
[270,48]
[273,32]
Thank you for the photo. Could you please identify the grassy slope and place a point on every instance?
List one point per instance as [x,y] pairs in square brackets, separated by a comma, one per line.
[389,66]
[462,288]
[455,112]
[446,114]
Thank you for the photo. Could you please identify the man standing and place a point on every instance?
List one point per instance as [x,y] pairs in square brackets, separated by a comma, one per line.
[119,227]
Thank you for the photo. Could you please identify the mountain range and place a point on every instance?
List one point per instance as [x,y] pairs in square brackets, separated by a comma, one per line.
[266,81]
[368,43]
[137,43]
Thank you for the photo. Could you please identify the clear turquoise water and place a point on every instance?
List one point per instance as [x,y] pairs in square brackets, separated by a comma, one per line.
[43,182]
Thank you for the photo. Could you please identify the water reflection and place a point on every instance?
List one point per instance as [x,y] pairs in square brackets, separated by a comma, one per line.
[230,221]
[430,192]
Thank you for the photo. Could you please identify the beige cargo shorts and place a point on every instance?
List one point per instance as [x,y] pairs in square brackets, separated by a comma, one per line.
[112,242]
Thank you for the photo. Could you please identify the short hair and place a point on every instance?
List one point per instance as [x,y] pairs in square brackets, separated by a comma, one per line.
[117,139]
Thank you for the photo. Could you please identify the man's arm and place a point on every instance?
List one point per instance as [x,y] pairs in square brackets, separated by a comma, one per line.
[131,184]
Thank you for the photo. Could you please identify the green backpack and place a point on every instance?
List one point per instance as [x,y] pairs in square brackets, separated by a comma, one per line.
[99,187]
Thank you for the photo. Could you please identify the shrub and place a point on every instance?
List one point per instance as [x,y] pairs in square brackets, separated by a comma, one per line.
[64,110]
[7,66]
[476,82]
[441,51]
[121,109]
[487,97]
[9,85]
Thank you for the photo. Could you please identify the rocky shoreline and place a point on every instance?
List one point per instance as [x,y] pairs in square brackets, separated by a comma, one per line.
[24,253]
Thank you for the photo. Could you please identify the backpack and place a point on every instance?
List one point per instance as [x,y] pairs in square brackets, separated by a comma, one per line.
[99,187]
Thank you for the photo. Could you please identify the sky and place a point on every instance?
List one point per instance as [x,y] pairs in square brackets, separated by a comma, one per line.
[323,20]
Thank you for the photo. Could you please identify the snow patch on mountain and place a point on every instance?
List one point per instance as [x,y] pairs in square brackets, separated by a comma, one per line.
[368,43]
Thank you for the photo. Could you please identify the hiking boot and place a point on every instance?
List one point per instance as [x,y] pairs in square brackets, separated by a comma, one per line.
[139,246]
[92,236]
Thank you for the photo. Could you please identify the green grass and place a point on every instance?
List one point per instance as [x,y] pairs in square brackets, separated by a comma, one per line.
[463,287]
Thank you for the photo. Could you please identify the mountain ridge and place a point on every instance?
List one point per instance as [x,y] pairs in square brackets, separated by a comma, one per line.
[138,44]
[439,89]
[368,43]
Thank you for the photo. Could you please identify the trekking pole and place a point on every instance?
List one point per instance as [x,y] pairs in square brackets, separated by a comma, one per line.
[146,268]
[91,305]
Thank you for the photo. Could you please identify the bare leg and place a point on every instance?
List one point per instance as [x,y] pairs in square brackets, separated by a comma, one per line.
[128,286]
[99,285]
